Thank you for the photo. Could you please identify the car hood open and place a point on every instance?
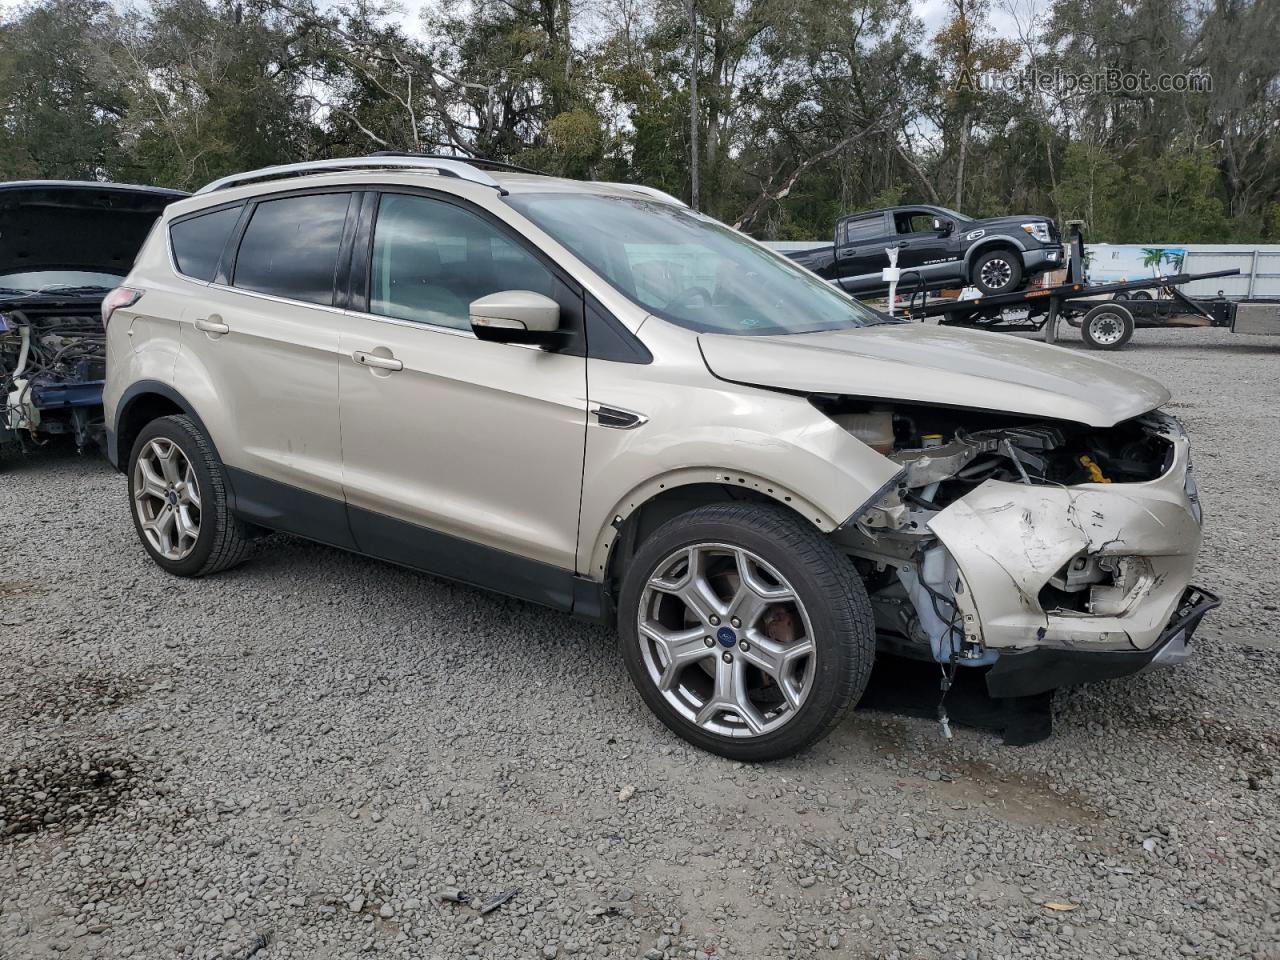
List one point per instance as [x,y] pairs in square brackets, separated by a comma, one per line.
[929,364]
[75,225]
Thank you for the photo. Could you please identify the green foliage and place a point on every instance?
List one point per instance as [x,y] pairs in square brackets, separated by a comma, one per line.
[806,109]
[61,107]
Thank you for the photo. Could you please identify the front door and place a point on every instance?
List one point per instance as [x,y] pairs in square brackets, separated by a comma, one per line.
[460,456]
[922,248]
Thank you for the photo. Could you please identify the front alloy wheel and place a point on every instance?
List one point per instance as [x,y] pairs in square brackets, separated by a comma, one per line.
[166,499]
[726,640]
[745,630]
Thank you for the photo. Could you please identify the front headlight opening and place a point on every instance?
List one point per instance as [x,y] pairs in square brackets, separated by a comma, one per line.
[1094,585]
[1193,493]
[1038,230]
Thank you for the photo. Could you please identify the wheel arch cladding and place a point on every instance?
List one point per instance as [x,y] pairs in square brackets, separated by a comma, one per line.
[142,403]
[996,242]
[662,498]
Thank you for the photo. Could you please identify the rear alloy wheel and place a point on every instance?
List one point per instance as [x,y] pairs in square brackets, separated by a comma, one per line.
[1108,326]
[997,271]
[178,492]
[746,632]
[166,498]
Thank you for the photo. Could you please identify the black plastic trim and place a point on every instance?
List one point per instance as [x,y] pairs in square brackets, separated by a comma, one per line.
[280,506]
[430,551]
[222,272]
[132,395]
[342,274]
[609,339]
[1037,671]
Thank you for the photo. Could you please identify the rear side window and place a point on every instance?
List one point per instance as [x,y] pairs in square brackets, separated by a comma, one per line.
[198,241]
[863,228]
[290,247]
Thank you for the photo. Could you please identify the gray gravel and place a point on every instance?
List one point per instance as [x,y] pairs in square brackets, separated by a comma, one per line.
[321,756]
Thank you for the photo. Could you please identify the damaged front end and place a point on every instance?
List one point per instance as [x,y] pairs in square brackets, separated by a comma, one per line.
[1055,552]
[52,368]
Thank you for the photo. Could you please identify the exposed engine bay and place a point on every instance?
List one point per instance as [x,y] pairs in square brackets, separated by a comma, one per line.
[52,366]
[1008,532]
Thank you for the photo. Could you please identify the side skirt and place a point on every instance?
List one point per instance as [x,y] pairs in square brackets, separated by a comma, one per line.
[278,506]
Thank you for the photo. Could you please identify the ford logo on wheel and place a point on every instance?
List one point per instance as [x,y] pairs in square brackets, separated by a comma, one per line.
[726,636]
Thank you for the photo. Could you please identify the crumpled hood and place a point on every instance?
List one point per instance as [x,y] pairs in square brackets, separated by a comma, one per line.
[936,365]
[74,225]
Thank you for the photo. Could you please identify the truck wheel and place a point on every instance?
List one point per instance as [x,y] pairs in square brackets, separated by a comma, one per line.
[178,493]
[745,630]
[997,271]
[1107,326]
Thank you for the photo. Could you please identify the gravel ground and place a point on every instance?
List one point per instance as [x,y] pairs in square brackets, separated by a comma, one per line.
[320,756]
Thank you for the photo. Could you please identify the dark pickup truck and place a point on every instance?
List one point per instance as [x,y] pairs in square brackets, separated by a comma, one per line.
[948,249]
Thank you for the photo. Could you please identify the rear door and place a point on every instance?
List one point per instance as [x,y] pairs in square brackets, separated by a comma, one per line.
[860,250]
[261,343]
[460,456]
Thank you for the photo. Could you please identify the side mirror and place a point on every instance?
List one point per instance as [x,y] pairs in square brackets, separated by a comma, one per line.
[942,227]
[516,316]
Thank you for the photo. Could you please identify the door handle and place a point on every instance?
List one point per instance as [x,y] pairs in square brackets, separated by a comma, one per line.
[904,243]
[210,325]
[373,360]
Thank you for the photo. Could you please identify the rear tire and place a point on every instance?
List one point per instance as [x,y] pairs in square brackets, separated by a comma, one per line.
[1108,326]
[997,271]
[178,496]
[760,664]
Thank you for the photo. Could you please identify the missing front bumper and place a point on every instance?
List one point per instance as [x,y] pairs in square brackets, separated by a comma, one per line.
[1037,671]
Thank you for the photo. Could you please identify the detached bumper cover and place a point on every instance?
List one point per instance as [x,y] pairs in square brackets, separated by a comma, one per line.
[1009,539]
[1036,671]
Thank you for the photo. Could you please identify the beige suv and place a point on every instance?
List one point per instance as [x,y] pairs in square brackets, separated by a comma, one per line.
[589,396]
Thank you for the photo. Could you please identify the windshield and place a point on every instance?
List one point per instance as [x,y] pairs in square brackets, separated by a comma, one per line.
[51,281]
[953,214]
[689,269]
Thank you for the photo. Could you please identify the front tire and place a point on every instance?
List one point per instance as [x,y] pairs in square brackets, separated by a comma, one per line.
[745,630]
[997,271]
[178,494]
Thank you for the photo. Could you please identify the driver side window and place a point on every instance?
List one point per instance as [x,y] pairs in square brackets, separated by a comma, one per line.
[431,259]
[914,222]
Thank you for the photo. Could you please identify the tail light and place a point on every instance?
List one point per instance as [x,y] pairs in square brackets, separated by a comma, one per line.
[117,298]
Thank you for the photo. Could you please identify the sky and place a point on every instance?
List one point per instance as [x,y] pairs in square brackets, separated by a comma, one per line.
[932,12]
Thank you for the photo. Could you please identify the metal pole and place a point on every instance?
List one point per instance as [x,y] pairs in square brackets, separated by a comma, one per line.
[694,200]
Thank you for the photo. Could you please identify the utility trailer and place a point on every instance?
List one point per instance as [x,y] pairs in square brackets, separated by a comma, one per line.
[1105,322]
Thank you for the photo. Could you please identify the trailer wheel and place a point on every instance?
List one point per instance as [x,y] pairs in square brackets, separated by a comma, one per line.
[1107,326]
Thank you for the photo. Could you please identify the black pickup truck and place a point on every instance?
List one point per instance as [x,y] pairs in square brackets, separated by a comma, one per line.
[948,249]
